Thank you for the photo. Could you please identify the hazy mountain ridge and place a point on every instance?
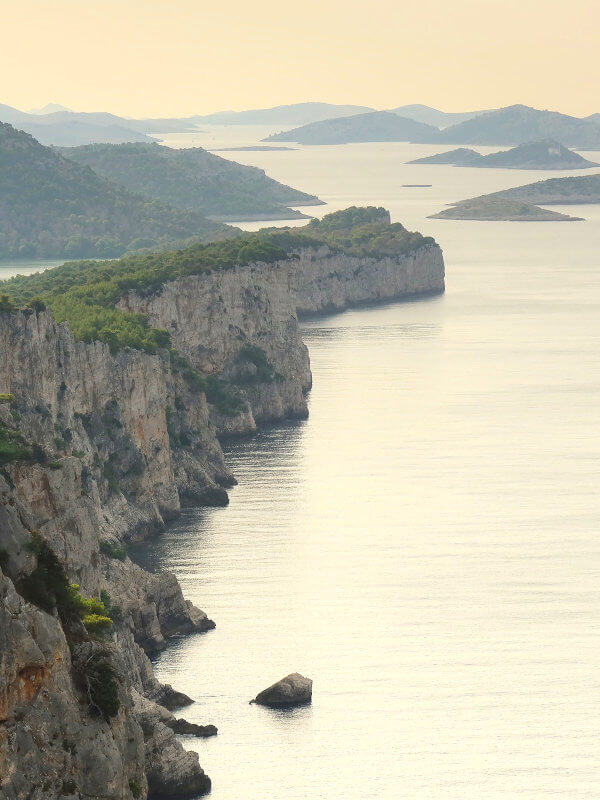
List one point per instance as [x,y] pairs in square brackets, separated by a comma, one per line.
[435,117]
[293,114]
[193,179]
[50,206]
[69,128]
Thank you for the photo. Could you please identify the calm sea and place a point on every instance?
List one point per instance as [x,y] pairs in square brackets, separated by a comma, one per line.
[425,546]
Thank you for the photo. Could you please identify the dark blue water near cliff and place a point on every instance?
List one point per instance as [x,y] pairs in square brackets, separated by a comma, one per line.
[425,546]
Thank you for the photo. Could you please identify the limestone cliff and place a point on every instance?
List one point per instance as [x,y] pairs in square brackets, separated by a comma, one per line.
[224,322]
[106,447]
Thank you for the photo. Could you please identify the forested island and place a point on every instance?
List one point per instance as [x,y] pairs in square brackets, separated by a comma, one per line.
[193,179]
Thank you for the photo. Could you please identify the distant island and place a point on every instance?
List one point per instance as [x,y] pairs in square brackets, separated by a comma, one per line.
[504,127]
[53,207]
[498,209]
[580,190]
[546,154]
[516,124]
[193,179]
[375,126]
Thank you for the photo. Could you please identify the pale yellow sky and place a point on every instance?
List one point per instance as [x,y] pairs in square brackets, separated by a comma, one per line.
[181,57]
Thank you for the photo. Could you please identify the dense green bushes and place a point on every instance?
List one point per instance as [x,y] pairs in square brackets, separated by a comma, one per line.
[48,587]
[219,393]
[7,304]
[264,372]
[113,551]
[13,446]
[99,681]
[85,293]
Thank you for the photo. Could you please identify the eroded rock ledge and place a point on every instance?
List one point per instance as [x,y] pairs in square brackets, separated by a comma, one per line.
[117,443]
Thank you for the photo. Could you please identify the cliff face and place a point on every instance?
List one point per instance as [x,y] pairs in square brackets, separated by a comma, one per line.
[213,318]
[104,473]
[117,442]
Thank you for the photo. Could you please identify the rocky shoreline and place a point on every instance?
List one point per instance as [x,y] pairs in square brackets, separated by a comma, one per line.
[117,444]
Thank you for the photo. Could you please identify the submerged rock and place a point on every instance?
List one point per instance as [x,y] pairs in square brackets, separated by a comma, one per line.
[293,690]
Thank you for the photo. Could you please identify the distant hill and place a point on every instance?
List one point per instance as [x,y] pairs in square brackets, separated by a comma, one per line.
[70,128]
[493,209]
[461,157]
[581,189]
[295,114]
[517,124]
[595,118]
[547,154]
[432,116]
[193,179]
[53,207]
[49,108]
[376,126]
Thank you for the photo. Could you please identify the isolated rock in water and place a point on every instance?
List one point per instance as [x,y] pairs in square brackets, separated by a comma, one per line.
[182,726]
[293,690]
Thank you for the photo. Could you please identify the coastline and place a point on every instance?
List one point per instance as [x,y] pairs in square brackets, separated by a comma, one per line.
[126,467]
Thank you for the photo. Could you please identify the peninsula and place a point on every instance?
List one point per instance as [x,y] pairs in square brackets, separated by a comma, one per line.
[116,381]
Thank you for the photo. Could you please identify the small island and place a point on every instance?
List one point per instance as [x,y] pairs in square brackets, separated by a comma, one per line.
[582,189]
[545,154]
[497,209]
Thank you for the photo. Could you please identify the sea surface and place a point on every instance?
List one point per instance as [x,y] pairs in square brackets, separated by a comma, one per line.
[26,266]
[426,545]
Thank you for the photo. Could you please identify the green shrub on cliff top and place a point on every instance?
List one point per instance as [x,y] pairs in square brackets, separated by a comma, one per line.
[84,293]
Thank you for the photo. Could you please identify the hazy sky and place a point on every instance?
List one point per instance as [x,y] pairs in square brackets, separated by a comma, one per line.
[179,57]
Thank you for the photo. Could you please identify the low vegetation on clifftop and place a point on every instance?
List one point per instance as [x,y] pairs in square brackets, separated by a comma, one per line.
[85,293]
